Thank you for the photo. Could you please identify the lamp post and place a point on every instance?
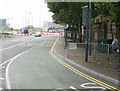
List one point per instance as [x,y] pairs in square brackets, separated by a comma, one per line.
[27,18]
[29,13]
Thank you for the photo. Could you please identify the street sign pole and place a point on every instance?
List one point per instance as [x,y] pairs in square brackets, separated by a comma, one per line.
[87,28]
[85,23]
[90,27]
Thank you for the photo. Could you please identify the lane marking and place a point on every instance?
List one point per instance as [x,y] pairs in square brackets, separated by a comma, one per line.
[94,86]
[79,72]
[84,75]
[5,62]
[14,40]
[2,67]
[71,87]
[7,69]
[16,45]
[0,89]
[59,89]
[2,78]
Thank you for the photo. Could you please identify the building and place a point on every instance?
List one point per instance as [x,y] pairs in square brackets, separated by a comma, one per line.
[48,25]
[45,26]
[2,23]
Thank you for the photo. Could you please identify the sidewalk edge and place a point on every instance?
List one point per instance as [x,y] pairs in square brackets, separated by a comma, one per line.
[91,72]
[87,70]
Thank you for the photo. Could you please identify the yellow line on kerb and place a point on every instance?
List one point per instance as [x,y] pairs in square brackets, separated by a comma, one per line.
[80,73]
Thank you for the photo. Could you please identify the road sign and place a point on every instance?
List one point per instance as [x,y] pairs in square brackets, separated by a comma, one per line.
[72,46]
[84,16]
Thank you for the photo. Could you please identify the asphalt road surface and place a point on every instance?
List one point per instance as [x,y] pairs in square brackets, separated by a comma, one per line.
[32,65]
[10,47]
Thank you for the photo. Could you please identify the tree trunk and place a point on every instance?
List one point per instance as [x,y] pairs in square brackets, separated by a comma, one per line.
[111,30]
[118,31]
[80,30]
[105,30]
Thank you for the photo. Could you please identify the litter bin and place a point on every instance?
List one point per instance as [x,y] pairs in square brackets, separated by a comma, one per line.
[103,44]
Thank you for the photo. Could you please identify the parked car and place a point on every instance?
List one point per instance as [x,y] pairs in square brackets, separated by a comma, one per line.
[38,34]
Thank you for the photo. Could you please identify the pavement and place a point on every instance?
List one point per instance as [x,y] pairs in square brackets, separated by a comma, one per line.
[101,67]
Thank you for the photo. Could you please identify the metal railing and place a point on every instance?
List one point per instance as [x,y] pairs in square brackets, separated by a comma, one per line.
[98,51]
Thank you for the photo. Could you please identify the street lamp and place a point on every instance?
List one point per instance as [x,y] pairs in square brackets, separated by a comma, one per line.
[27,17]
[29,13]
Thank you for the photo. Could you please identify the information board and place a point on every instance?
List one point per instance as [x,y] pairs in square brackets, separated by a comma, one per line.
[72,46]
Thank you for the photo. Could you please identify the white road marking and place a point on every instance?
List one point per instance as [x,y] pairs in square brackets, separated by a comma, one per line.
[9,48]
[2,78]
[91,86]
[16,45]
[71,87]
[2,67]
[5,62]
[7,69]
[59,89]
[13,46]
[0,89]
[13,40]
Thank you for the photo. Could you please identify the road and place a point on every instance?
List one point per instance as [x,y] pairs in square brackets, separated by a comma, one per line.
[32,65]
[10,47]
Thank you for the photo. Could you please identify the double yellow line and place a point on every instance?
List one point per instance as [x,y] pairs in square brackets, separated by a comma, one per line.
[80,73]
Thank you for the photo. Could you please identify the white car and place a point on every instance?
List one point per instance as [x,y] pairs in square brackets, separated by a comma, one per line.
[38,34]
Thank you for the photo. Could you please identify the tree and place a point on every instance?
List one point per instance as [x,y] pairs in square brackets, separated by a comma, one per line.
[115,16]
[111,12]
[71,12]
[30,27]
[4,28]
[67,13]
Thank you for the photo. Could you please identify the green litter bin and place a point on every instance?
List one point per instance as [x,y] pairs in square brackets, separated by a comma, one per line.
[103,44]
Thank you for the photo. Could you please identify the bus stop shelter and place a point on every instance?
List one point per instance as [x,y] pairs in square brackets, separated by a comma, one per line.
[70,35]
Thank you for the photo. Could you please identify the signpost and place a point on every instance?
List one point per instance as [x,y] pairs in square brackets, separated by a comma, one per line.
[85,18]
[87,23]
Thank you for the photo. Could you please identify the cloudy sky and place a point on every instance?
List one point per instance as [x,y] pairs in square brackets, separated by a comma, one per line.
[23,12]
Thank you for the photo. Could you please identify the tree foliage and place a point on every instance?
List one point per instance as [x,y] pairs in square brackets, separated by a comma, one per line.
[66,12]
[71,12]
[110,11]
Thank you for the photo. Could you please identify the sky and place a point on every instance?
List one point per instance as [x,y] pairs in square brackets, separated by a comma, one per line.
[20,13]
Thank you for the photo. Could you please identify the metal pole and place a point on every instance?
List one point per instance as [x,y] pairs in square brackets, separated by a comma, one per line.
[25,18]
[29,18]
[86,57]
[40,17]
[32,20]
[94,50]
[90,27]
